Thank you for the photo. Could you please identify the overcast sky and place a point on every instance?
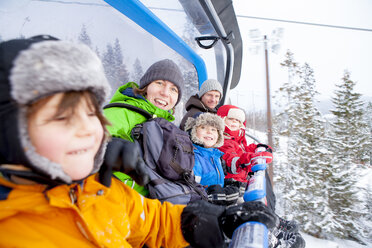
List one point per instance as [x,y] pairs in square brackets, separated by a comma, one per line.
[329,51]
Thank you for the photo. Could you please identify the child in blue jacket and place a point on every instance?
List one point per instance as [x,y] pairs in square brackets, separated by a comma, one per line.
[206,132]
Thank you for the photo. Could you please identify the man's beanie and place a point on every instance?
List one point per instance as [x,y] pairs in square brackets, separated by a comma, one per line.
[208,85]
[34,68]
[164,69]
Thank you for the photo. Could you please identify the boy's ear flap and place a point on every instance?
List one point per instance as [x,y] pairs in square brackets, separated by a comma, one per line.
[190,122]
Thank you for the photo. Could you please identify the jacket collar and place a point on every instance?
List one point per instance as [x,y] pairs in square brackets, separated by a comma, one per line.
[38,198]
[195,102]
[208,150]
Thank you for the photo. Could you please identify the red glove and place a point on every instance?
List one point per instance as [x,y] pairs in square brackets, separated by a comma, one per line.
[248,159]
[267,156]
[245,161]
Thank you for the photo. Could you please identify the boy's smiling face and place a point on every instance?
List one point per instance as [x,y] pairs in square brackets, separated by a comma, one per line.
[207,134]
[71,139]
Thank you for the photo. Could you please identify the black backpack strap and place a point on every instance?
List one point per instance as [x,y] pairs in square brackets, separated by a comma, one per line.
[187,177]
[143,112]
[136,131]
[175,165]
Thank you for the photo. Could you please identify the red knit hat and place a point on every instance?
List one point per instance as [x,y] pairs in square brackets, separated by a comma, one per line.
[231,111]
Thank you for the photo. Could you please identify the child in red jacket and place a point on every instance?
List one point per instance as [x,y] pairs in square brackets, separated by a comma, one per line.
[239,158]
[238,155]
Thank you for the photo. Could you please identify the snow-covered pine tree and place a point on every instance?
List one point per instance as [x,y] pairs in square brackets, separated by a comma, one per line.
[108,61]
[368,119]
[365,220]
[351,130]
[191,85]
[311,158]
[348,146]
[286,171]
[97,52]
[116,71]
[84,37]
[191,82]
[137,71]
[121,72]
[301,181]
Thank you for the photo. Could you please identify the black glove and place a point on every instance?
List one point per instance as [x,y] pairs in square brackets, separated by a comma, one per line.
[232,194]
[240,185]
[125,156]
[293,240]
[216,194]
[236,215]
[200,226]
[286,239]
[203,223]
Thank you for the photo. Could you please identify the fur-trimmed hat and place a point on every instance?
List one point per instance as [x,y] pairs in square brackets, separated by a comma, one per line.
[209,119]
[209,85]
[34,68]
[164,69]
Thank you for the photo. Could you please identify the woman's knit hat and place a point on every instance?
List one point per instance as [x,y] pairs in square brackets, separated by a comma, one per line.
[208,85]
[209,119]
[34,68]
[164,69]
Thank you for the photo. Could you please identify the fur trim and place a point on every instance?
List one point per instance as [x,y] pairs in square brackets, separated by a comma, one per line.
[205,119]
[50,67]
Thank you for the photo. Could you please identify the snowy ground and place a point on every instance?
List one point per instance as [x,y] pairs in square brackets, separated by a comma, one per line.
[312,242]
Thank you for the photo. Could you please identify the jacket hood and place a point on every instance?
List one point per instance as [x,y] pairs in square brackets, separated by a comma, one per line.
[232,111]
[34,68]
[209,119]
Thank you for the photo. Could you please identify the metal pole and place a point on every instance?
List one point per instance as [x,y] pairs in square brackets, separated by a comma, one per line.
[269,122]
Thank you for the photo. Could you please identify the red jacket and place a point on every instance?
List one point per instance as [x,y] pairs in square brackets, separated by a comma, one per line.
[234,146]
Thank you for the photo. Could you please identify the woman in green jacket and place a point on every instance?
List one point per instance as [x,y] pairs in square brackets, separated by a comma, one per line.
[159,91]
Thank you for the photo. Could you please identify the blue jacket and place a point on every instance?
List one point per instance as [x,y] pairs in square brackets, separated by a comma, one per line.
[208,169]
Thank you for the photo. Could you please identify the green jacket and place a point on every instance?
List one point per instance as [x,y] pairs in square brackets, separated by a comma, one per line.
[123,120]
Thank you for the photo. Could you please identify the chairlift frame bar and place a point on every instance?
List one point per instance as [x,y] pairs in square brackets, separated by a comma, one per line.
[140,14]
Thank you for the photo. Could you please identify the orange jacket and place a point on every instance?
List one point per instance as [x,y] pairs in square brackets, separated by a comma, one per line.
[31,216]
